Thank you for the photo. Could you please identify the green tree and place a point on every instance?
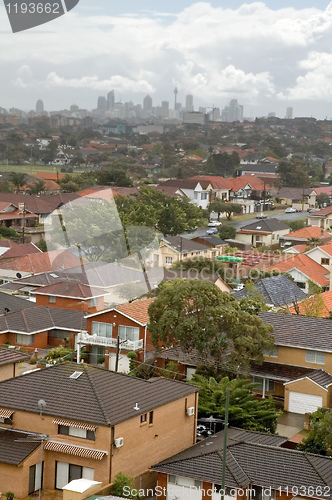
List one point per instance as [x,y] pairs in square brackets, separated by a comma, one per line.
[245,410]
[197,314]
[323,199]
[18,180]
[121,484]
[113,177]
[319,439]
[293,174]
[50,152]
[227,232]
[37,187]
[220,207]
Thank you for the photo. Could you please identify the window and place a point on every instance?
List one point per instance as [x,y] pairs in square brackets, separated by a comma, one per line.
[300,284]
[6,420]
[315,357]
[325,261]
[128,333]
[151,418]
[169,260]
[195,196]
[101,329]
[35,477]
[22,339]
[144,418]
[269,384]
[171,479]
[204,196]
[76,432]
[52,299]
[259,493]
[60,334]
[93,302]
[68,472]
[184,255]
[273,353]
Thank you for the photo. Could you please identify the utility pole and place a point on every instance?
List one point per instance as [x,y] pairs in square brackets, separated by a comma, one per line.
[224,451]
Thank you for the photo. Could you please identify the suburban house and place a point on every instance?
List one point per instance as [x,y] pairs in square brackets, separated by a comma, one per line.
[247,186]
[10,360]
[307,235]
[304,271]
[70,295]
[321,254]
[306,342]
[10,249]
[124,325]
[277,291]
[68,422]
[11,303]
[257,467]
[16,217]
[41,327]
[175,248]
[322,218]
[265,232]
[298,198]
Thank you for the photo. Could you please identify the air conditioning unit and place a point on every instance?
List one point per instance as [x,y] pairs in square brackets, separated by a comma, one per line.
[190,411]
[118,442]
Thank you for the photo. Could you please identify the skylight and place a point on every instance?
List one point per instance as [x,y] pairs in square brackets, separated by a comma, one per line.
[75,375]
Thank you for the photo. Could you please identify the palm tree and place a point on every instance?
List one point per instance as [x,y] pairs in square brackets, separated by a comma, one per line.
[18,180]
[37,187]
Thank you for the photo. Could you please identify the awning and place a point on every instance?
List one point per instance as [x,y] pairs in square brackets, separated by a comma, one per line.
[77,425]
[5,413]
[72,449]
[229,258]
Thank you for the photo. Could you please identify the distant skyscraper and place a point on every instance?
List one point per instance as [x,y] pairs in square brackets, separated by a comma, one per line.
[233,112]
[101,105]
[289,113]
[147,104]
[39,107]
[175,97]
[189,103]
[110,100]
[165,109]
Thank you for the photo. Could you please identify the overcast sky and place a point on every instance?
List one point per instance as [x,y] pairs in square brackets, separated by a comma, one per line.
[268,55]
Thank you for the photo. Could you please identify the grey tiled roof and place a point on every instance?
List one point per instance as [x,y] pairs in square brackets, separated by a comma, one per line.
[97,396]
[300,331]
[13,303]
[184,245]
[269,225]
[15,446]
[42,318]
[321,378]
[277,290]
[250,461]
[8,356]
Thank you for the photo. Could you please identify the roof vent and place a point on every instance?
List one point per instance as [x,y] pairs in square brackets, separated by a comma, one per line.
[75,375]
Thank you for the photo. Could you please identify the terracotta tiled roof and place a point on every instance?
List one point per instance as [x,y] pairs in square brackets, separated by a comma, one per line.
[19,250]
[4,205]
[300,248]
[137,310]
[309,232]
[236,183]
[42,262]
[326,248]
[217,182]
[50,176]
[319,305]
[306,265]
[324,211]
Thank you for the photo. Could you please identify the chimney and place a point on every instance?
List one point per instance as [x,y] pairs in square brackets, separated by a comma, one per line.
[107,360]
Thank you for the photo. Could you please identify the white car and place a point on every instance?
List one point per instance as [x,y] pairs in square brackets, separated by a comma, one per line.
[214,223]
[261,215]
[212,230]
[290,210]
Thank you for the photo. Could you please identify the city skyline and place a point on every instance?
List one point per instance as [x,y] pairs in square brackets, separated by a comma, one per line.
[268,55]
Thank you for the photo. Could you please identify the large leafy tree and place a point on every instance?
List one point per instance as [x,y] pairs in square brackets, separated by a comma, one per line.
[319,439]
[245,410]
[197,314]
[153,208]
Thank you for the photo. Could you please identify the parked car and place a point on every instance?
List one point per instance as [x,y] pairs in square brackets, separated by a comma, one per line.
[214,223]
[261,215]
[310,210]
[212,230]
[290,210]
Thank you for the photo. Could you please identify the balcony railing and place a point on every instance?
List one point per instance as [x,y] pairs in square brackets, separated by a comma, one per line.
[130,345]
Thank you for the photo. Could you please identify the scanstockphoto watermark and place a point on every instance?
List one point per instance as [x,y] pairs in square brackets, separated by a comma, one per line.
[24,15]
[187,491]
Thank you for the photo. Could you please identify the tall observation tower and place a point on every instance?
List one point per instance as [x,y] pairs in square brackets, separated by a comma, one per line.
[175,96]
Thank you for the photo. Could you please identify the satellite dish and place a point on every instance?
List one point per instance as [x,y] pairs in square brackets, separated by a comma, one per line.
[42,404]
[7,310]
[18,275]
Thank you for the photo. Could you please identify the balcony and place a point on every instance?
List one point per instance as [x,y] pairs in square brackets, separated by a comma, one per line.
[130,345]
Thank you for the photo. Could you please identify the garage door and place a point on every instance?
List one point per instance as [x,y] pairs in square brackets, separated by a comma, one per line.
[303,403]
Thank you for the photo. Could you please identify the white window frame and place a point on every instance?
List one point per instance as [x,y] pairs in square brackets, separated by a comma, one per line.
[168,260]
[317,357]
[22,339]
[128,333]
[52,299]
[93,302]
[102,329]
